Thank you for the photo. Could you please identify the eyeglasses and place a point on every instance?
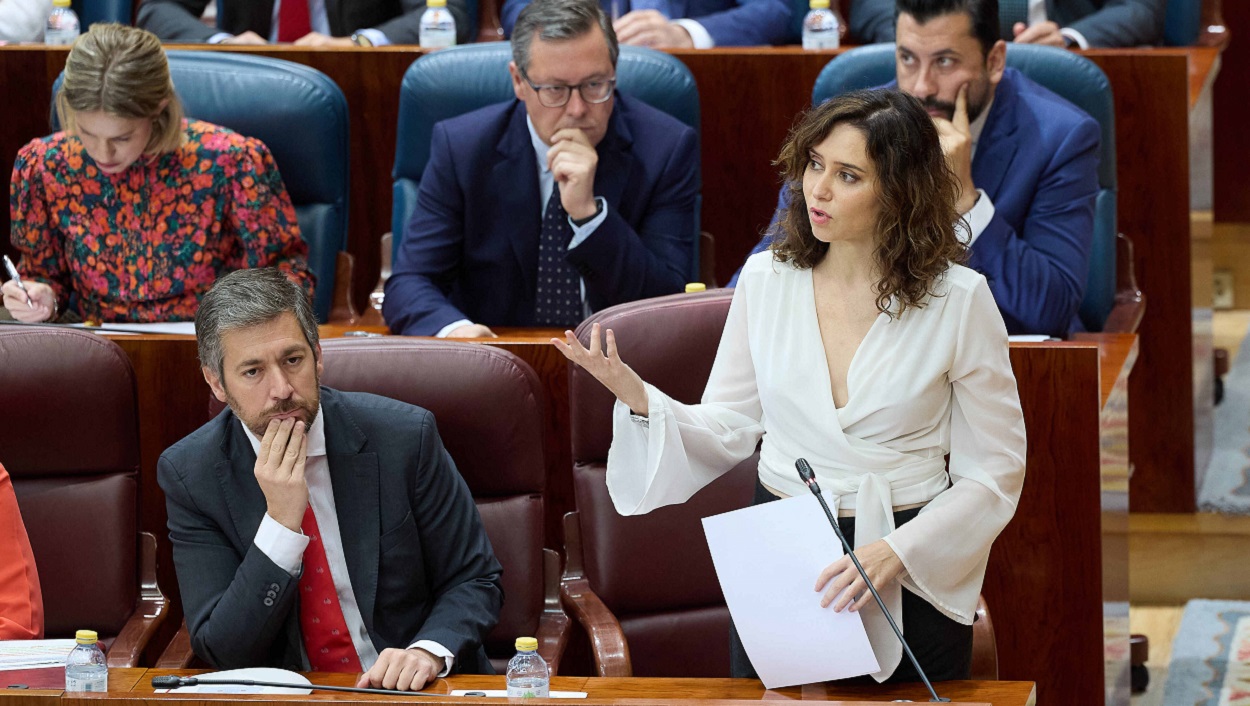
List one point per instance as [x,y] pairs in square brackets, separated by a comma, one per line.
[593,91]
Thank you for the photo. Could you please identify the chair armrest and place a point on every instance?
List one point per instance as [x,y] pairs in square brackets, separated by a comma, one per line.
[178,654]
[553,624]
[150,610]
[607,640]
[342,310]
[707,259]
[1130,301]
[984,645]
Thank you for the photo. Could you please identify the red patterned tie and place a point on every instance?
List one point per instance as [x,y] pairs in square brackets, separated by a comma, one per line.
[326,638]
[293,20]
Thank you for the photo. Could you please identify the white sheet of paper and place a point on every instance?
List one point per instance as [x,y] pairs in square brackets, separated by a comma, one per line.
[34,654]
[767,558]
[503,693]
[185,328]
[282,676]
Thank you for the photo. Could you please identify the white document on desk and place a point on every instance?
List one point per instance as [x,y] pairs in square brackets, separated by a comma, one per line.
[767,558]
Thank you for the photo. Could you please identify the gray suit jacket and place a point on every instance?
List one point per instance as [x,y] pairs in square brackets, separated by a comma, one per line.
[420,563]
[1104,23]
[179,20]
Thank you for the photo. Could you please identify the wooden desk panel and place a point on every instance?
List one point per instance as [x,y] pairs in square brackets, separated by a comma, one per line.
[616,691]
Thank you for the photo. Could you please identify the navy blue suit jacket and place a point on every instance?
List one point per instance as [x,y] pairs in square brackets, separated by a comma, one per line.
[1037,160]
[1103,23]
[731,23]
[470,250]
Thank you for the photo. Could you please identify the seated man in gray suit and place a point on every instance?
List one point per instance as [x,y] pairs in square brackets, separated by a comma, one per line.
[316,529]
[1077,24]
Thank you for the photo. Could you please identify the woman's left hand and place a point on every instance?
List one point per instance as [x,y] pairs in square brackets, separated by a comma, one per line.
[880,563]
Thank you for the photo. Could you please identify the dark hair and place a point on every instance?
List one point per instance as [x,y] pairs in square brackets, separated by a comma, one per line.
[557,20]
[246,298]
[982,13]
[916,239]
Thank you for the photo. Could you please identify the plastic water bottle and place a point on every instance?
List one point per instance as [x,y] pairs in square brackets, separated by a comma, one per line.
[528,676]
[821,27]
[85,668]
[438,27]
[62,27]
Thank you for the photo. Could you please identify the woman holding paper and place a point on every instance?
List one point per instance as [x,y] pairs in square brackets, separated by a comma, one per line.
[858,344]
[132,212]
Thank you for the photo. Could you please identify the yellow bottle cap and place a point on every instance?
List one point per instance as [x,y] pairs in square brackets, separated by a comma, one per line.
[819,4]
[86,637]
[61,3]
[692,287]
[436,3]
[526,643]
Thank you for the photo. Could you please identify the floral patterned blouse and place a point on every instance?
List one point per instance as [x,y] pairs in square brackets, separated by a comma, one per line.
[145,244]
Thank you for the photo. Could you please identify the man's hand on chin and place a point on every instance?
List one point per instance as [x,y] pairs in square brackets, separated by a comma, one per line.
[402,670]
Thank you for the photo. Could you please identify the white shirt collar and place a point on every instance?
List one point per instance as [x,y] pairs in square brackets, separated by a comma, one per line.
[540,147]
[316,436]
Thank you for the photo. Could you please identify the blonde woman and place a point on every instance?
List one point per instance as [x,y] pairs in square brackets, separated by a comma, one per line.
[132,212]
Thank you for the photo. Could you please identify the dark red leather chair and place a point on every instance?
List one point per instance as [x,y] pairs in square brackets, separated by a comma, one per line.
[644,587]
[489,406]
[70,441]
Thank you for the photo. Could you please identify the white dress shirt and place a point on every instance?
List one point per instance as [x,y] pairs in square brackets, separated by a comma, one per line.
[982,212]
[286,548]
[547,184]
[934,381]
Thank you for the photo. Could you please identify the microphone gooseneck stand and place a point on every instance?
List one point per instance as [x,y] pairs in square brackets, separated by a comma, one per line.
[809,477]
[172,682]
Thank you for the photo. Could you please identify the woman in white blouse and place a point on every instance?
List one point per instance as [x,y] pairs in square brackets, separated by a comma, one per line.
[857,344]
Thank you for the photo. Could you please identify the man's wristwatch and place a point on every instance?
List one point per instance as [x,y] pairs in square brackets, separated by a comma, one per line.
[361,40]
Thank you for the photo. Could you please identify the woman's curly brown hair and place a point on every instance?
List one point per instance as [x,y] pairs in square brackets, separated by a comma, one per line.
[916,239]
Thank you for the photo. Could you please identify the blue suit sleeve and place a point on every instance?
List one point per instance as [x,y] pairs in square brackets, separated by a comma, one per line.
[429,258]
[872,21]
[748,23]
[619,264]
[1124,23]
[1038,275]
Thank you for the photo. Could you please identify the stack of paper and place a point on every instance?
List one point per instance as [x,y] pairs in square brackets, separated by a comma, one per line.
[33,654]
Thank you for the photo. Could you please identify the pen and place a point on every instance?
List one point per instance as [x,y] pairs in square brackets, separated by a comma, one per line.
[17,277]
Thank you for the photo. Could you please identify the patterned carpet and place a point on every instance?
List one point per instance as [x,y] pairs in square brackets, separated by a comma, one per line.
[1226,487]
[1210,663]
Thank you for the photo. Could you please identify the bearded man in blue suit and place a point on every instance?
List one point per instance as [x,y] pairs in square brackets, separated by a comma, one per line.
[538,211]
[1026,158]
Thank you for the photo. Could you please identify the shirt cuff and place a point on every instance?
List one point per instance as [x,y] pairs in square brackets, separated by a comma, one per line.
[698,34]
[376,36]
[283,547]
[1075,36]
[442,332]
[449,660]
[220,37]
[976,220]
[582,232]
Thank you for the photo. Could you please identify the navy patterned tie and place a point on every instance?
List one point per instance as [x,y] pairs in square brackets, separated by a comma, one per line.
[1009,13]
[558,301]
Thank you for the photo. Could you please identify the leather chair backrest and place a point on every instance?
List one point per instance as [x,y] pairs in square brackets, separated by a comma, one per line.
[1183,23]
[301,115]
[92,11]
[654,571]
[454,81]
[1069,75]
[489,407]
[70,442]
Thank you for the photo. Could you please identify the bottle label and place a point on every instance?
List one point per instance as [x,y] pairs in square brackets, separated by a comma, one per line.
[81,685]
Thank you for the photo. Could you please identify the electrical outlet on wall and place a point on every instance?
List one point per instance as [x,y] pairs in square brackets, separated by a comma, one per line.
[1222,291]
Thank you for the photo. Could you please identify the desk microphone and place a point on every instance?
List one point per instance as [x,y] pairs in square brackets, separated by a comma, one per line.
[809,477]
[172,682]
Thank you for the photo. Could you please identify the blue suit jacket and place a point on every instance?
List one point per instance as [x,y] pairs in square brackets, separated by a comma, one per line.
[729,22]
[470,250]
[1037,160]
[1103,23]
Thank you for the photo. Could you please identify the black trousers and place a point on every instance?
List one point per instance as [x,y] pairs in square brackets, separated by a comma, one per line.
[941,645]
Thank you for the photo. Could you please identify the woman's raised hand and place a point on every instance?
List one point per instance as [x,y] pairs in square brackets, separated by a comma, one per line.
[606,367]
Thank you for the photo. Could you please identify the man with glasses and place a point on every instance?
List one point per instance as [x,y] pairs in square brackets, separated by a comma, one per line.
[538,211]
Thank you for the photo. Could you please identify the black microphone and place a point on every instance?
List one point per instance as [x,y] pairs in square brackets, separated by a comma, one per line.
[809,477]
[173,682]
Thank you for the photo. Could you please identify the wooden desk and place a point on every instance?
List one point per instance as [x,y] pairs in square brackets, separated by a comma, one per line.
[616,692]
[47,685]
